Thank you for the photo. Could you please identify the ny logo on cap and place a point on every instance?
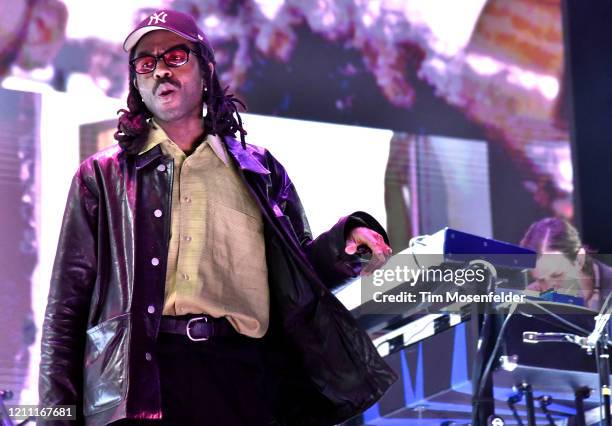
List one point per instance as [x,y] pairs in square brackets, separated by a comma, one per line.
[158,17]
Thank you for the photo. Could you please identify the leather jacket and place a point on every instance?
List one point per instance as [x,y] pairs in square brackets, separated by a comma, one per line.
[106,296]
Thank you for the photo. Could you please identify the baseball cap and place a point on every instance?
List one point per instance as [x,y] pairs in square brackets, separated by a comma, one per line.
[177,22]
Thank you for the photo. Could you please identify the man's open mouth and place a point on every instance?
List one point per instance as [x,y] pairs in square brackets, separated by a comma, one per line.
[165,92]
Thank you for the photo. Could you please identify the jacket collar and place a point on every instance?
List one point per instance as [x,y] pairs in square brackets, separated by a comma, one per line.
[147,157]
[157,136]
[244,157]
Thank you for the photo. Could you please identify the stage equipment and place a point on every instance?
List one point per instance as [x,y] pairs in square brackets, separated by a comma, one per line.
[454,358]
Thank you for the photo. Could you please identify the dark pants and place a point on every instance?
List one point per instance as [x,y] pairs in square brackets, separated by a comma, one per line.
[220,382]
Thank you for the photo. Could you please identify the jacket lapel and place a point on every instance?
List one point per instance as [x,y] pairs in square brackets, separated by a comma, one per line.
[142,160]
[244,157]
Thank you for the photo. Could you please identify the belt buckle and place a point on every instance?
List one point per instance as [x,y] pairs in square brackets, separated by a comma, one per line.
[188,329]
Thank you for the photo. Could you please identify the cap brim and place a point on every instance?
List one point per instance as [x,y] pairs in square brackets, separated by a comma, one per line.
[135,36]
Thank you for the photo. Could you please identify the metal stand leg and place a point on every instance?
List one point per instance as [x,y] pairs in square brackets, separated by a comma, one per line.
[526,389]
[604,378]
[579,396]
[483,405]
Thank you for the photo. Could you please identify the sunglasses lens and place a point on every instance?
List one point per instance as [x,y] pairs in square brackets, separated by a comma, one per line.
[176,57]
[144,64]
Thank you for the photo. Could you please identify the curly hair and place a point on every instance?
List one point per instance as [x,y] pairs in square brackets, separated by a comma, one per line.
[555,234]
[133,127]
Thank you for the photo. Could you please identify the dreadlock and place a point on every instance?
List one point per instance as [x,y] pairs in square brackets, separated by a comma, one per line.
[133,127]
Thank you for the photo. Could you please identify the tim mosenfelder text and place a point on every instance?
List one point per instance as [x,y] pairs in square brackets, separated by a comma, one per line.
[448,297]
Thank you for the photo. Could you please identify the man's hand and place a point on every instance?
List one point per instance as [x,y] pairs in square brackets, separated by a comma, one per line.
[362,236]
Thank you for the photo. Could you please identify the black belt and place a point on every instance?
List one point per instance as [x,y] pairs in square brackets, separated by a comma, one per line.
[197,327]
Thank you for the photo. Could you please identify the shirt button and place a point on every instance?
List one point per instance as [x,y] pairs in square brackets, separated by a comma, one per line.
[155,261]
[187,199]
[148,356]
[161,168]
[187,238]
[186,277]
[157,213]
[151,309]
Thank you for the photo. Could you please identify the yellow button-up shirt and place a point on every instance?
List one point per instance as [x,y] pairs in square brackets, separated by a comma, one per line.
[216,257]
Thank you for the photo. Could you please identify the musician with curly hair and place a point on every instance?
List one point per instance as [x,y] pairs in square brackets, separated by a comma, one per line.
[565,264]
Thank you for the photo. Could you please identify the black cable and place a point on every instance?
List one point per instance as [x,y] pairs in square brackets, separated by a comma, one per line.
[492,357]
[559,318]
[512,401]
[604,305]
[544,402]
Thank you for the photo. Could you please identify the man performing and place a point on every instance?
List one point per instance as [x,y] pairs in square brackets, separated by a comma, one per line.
[187,288]
[564,263]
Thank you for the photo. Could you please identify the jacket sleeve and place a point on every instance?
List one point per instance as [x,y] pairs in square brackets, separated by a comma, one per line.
[326,252]
[65,321]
